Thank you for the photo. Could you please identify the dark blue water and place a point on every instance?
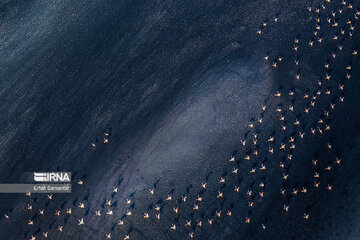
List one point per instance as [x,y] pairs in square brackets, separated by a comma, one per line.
[175,84]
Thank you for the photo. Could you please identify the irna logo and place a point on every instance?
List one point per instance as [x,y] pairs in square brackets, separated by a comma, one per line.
[52,177]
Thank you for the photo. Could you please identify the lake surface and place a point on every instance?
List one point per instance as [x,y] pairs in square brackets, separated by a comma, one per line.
[176,84]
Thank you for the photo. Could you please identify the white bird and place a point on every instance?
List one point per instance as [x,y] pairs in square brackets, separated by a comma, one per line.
[81,221]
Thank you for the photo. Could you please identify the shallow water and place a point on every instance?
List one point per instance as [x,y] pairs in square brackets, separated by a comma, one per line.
[175,84]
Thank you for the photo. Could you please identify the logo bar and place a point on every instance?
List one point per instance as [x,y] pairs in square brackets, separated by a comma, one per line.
[52,176]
